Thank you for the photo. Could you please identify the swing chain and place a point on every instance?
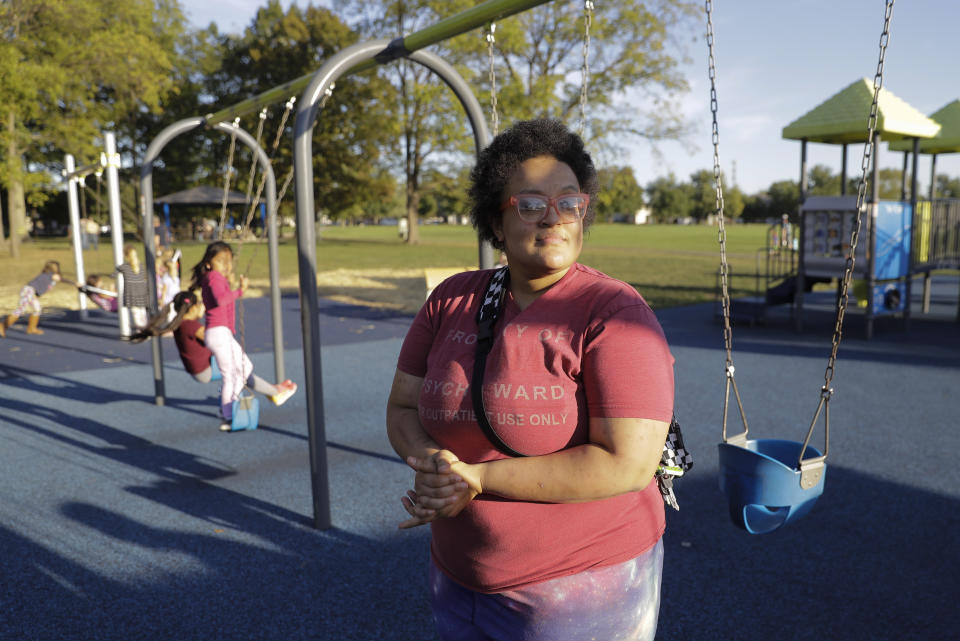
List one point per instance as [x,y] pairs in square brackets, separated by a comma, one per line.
[811,469]
[228,176]
[717,181]
[494,116]
[722,238]
[273,150]
[868,151]
[253,165]
[585,68]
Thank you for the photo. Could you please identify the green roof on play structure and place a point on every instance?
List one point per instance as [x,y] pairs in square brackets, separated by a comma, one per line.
[945,142]
[843,117]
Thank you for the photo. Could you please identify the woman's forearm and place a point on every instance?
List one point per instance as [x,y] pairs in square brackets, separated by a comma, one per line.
[404,429]
[407,435]
[624,460]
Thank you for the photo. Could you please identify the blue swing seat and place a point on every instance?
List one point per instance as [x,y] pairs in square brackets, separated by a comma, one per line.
[763,485]
[246,413]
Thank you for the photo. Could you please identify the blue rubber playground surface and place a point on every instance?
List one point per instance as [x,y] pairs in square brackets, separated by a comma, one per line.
[121,519]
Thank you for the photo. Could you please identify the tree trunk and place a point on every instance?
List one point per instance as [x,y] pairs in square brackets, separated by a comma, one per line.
[412,167]
[16,209]
[413,205]
[16,205]
[3,236]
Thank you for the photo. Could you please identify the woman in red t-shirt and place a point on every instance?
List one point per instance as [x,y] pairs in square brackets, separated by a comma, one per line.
[565,542]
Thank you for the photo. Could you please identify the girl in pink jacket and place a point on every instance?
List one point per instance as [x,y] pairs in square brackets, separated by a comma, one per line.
[212,274]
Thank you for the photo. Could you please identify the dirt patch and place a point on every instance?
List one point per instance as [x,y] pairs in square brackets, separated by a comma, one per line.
[398,289]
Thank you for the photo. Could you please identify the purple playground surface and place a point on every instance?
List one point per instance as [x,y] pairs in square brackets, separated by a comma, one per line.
[121,519]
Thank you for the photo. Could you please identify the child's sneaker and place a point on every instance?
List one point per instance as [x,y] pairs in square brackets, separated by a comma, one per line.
[286,389]
[226,424]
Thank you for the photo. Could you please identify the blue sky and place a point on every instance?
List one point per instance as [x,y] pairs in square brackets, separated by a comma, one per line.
[776,60]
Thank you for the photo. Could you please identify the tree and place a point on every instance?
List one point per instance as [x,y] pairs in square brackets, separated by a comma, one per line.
[350,130]
[784,199]
[669,199]
[427,123]
[537,62]
[822,182]
[619,193]
[947,187]
[69,71]
[445,191]
[705,197]
[633,74]
[890,182]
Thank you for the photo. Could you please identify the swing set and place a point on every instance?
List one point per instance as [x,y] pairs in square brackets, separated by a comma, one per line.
[771,482]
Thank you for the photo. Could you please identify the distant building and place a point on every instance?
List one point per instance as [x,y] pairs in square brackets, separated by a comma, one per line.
[640,217]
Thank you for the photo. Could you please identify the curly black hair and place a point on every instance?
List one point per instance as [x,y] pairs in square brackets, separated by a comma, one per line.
[525,140]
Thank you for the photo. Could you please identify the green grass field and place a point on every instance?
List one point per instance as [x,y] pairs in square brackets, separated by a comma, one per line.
[669,264]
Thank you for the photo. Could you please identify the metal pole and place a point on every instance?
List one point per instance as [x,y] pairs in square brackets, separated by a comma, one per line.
[489,11]
[798,292]
[903,176]
[843,170]
[146,191]
[308,107]
[74,208]
[111,161]
[146,206]
[150,264]
[933,177]
[914,219]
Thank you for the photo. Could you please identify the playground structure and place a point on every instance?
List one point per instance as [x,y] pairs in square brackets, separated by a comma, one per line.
[902,238]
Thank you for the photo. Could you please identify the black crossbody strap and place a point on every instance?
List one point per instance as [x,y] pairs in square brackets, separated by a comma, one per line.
[487,317]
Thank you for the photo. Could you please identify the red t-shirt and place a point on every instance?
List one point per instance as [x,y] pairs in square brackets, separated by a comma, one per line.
[193,352]
[589,346]
[219,300]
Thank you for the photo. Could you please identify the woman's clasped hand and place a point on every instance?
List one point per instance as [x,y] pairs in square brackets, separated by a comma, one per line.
[442,487]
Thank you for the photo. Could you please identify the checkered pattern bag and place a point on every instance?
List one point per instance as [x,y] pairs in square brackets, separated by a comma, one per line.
[674,462]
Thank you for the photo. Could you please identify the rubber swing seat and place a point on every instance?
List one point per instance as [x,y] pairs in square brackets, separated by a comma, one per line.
[762,483]
[246,413]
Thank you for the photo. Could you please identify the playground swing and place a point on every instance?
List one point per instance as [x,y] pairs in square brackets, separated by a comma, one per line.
[771,482]
[246,408]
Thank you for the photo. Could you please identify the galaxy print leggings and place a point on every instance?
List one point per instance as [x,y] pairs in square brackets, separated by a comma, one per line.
[614,603]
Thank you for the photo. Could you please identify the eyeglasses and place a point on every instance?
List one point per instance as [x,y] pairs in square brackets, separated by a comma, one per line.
[532,208]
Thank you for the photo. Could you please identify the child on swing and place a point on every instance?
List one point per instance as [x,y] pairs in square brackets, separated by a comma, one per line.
[100,293]
[190,337]
[211,274]
[183,317]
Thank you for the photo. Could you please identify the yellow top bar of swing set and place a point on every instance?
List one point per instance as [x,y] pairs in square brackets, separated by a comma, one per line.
[489,11]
